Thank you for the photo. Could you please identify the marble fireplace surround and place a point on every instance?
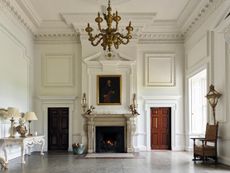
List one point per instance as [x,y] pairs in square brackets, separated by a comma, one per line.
[94,120]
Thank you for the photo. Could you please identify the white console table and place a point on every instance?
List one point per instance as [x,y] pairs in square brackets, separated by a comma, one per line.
[26,142]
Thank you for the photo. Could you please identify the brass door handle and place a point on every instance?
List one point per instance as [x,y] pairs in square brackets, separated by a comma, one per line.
[156,122]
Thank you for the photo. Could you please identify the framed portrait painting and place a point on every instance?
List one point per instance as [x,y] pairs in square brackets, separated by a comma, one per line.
[109,89]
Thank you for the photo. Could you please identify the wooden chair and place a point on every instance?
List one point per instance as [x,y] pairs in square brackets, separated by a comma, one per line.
[208,147]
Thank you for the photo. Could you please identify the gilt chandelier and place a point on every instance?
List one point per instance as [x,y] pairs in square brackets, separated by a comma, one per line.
[109,36]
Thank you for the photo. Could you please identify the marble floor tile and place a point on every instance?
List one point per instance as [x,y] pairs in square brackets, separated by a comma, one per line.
[143,162]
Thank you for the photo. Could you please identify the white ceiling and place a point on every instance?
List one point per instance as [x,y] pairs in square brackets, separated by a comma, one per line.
[165,9]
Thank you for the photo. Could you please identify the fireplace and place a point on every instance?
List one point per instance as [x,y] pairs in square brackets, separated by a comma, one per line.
[110,139]
[120,127]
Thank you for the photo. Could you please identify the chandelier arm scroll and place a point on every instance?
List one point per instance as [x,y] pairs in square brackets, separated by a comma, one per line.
[94,38]
[120,37]
[122,41]
[95,44]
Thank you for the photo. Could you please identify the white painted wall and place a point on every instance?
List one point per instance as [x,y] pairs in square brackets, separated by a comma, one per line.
[206,47]
[58,83]
[16,69]
[58,78]
[171,95]
[86,66]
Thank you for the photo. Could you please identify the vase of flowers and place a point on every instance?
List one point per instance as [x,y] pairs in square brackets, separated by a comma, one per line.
[21,128]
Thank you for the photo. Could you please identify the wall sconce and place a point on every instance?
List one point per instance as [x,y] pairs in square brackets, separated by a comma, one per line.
[133,106]
[134,101]
[13,113]
[213,97]
[84,102]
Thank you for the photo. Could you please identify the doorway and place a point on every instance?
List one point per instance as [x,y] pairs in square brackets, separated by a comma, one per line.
[161,128]
[58,128]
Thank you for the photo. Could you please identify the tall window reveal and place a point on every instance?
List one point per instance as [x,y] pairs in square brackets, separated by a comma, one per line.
[198,103]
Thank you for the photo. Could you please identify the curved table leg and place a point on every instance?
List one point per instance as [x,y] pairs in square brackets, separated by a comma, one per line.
[42,146]
[5,153]
[23,153]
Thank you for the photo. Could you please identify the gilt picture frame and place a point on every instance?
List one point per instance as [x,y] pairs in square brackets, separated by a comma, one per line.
[109,89]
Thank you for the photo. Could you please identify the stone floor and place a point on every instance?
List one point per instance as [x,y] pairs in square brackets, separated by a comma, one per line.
[144,162]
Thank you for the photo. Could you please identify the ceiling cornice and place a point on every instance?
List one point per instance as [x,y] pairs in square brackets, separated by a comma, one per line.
[195,13]
[81,19]
[29,10]
[224,26]
[24,12]
[54,30]
[161,38]
[103,2]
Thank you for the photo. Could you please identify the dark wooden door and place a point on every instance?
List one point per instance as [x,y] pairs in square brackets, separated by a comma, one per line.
[160,128]
[58,128]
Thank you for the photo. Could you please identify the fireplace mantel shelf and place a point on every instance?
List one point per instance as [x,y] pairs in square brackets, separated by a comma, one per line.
[109,115]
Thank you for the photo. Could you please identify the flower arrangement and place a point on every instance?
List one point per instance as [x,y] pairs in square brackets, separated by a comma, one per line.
[21,128]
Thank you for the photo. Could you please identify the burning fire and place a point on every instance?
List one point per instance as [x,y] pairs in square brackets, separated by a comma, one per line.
[109,142]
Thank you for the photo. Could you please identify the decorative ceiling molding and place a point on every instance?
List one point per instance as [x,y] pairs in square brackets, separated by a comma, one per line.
[59,38]
[29,10]
[103,2]
[81,19]
[187,11]
[53,30]
[161,38]
[24,12]
[224,24]
[198,15]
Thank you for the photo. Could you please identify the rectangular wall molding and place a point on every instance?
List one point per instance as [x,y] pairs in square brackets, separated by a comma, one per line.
[57,70]
[159,69]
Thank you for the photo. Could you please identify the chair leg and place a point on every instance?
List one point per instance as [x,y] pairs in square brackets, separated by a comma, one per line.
[216,160]
[203,158]
[194,158]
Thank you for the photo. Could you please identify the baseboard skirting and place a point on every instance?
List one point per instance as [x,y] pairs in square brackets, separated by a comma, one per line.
[224,160]
[178,148]
[187,148]
[140,148]
[145,148]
